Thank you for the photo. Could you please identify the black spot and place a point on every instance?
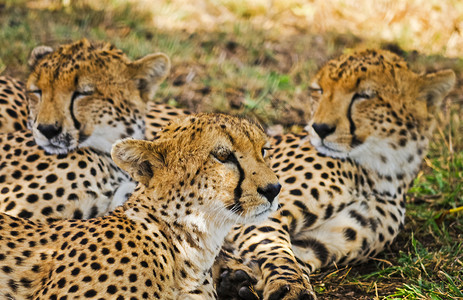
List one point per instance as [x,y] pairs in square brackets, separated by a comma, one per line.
[295,192]
[77,214]
[102,278]
[314,192]
[290,180]
[61,283]
[51,178]
[112,289]
[59,192]
[47,210]
[73,289]
[328,211]
[350,234]
[133,277]
[25,214]
[90,293]
[320,250]
[42,166]
[32,157]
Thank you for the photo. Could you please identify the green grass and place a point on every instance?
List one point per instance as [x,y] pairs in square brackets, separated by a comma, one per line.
[241,67]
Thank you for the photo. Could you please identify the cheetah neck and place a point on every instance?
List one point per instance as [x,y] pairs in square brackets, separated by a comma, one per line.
[197,238]
[389,169]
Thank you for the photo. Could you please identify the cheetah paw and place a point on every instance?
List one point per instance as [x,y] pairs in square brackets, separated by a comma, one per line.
[236,285]
[282,290]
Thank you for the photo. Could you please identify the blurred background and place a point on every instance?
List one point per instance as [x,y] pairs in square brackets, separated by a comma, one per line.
[256,58]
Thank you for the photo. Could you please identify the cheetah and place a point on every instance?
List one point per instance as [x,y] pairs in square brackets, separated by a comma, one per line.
[200,176]
[344,185]
[63,169]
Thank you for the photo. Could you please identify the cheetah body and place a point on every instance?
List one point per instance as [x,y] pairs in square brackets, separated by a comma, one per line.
[36,185]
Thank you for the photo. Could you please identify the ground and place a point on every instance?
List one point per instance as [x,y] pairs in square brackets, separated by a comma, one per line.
[256,58]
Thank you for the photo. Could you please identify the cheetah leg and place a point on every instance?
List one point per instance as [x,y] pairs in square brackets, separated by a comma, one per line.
[291,245]
[269,246]
[205,291]
[353,235]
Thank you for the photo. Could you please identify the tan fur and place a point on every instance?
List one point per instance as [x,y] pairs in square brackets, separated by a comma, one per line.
[162,243]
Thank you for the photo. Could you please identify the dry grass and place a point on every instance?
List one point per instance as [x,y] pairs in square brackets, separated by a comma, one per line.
[432,26]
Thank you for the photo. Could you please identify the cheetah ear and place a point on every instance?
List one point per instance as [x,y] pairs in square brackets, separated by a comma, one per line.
[38,54]
[149,72]
[435,86]
[138,158]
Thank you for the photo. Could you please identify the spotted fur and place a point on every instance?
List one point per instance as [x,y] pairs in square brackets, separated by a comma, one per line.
[197,179]
[13,105]
[344,185]
[80,184]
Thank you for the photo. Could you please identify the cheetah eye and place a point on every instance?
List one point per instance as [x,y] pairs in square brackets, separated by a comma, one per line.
[316,90]
[223,155]
[36,92]
[265,151]
[364,95]
[80,94]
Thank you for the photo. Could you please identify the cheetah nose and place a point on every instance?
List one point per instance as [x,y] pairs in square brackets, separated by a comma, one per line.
[49,131]
[323,130]
[270,191]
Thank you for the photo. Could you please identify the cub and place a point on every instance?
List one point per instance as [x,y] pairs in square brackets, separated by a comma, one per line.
[202,174]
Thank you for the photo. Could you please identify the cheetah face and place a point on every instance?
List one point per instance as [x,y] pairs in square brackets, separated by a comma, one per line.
[219,161]
[89,95]
[371,105]
[248,198]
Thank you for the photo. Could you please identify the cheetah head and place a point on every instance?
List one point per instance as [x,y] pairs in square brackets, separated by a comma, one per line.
[221,161]
[371,105]
[89,95]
